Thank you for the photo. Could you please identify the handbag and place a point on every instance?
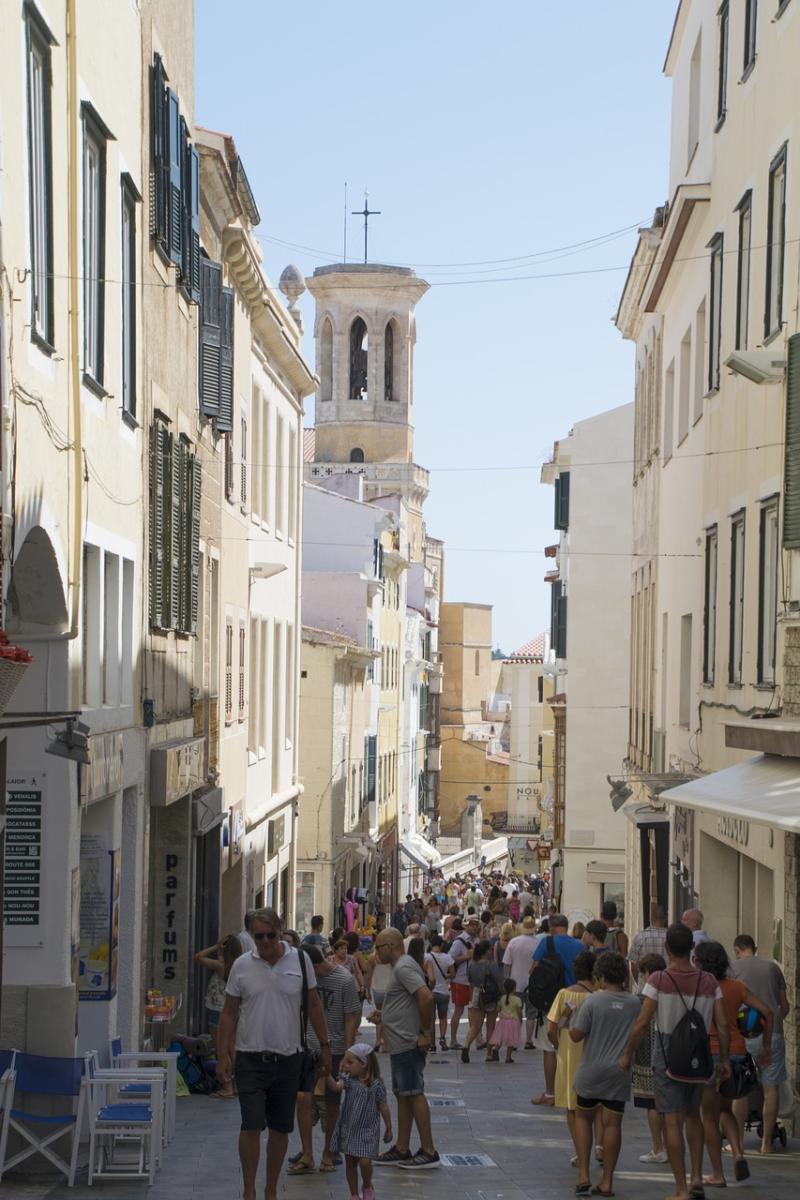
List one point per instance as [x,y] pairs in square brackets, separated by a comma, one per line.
[309,1059]
[743,1078]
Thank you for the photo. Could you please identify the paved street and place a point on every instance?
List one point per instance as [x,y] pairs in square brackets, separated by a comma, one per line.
[477,1109]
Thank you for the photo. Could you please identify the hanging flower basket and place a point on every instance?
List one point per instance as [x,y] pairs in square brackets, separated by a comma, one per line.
[14,662]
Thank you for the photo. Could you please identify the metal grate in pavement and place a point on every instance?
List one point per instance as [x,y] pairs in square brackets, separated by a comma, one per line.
[468,1160]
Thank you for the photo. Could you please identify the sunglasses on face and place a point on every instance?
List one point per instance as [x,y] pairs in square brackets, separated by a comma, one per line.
[259,937]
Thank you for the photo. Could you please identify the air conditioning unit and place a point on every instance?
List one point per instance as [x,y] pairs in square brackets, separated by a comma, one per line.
[659,741]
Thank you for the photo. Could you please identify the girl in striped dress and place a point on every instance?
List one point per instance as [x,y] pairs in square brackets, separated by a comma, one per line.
[358,1129]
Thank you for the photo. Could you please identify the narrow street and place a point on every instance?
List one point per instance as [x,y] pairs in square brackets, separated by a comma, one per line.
[478,1109]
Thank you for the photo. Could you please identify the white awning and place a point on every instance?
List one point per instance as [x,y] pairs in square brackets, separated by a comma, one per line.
[421,852]
[765,790]
[605,872]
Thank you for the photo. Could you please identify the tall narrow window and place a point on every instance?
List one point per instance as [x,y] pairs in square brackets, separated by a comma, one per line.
[244,464]
[390,348]
[699,360]
[561,513]
[685,683]
[280,475]
[242,670]
[356,455]
[40,177]
[768,591]
[290,683]
[228,670]
[669,410]
[128,300]
[750,24]
[715,322]
[94,232]
[695,93]
[736,639]
[743,270]
[359,357]
[326,361]
[277,698]
[722,61]
[776,242]
[294,477]
[710,607]
[684,385]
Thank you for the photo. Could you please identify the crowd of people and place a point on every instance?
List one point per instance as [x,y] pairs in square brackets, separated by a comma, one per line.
[664,1018]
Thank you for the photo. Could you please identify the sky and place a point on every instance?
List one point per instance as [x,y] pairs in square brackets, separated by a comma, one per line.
[483,133]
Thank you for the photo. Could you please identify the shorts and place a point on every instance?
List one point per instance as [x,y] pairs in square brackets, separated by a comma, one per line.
[377,999]
[212,1018]
[673,1095]
[408,1073]
[460,993]
[442,1002]
[475,1002]
[775,1073]
[615,1106]
[530,1011]
[267,1090]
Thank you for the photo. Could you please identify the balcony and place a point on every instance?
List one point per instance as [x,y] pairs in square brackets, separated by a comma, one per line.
[435,678]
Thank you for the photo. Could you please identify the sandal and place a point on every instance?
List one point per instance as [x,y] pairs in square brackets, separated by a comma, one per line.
[583,1189]
[222,1095]
[598,1191]
[301,1167]
[327,1167]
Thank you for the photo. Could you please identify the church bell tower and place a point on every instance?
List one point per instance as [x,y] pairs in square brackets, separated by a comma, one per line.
[365,334]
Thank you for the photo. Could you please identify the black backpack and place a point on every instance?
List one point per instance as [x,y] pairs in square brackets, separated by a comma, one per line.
[489,992]
[688,1057]
[547,980]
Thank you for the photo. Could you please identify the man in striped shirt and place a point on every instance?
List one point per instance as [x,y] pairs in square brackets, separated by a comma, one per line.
[650,940]
[666,996]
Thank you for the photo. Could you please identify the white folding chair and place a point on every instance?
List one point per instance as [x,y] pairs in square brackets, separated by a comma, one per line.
[167,1059]
[134,1085]
[37,1075]
[116,1128]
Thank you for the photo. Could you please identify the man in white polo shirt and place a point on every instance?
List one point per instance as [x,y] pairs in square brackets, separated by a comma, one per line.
[263,1017]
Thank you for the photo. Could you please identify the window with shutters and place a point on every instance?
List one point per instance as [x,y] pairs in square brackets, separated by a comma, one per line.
[736,631]
[242,671]
[710,607]
[190,217]
[776,245]
[750,27]
[94,235]
[695,93]
[38,41]
[699,360]
[715,312]
[558,619]
[722,62]
[669,411]
[768,554]
[228,670]
[128,298]
[791,478]
[159,161]
[215,399]
[228,445]
[561,517]
[174,183]
[295,482]
[743,270]
[175,493]
[244,466]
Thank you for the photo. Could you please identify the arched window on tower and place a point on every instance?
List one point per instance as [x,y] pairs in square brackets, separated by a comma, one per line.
[326,361]
[358,359]
[389,390]
[356,454]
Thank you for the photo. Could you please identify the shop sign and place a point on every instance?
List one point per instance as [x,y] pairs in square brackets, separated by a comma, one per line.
[736,829]
[167,949]
[176,768]
[276,837]
[98,951]
[22,892]
[102,775]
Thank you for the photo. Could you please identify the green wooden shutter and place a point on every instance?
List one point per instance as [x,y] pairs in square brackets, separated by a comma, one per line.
[176,492]
[555,596]
[791,485]
[561,516]
[157,434]
[193,232]
[174,199]
[185,150]
[185,538]
[194,544]
[210,337]
[224,421]
[159,170]
[561,646]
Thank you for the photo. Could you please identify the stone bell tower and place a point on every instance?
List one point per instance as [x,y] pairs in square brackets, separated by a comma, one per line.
[365,334]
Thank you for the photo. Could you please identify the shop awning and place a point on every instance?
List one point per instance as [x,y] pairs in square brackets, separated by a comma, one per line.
[765,790]
[420,852]
[645,815]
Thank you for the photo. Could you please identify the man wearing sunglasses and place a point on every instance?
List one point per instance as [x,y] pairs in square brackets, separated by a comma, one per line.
[263,1019]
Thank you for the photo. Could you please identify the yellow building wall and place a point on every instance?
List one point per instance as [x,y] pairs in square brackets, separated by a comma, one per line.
[381,441]
[466,771]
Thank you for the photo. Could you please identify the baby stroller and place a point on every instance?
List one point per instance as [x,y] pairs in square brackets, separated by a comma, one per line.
[753,1121]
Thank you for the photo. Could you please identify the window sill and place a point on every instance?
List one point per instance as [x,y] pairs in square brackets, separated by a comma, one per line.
[734,685]
[763,686]
[714,391]
[129,419]
[42,344]
[770,338]
[720,121]
[708,684]
[93,385]
[748,71]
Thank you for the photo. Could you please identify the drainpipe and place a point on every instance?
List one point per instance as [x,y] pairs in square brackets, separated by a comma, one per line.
[74,339]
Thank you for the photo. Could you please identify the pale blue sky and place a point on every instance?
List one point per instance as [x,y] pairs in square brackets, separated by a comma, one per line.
[483,132]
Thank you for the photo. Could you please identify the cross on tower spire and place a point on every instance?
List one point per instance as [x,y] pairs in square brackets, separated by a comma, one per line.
[366,213]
